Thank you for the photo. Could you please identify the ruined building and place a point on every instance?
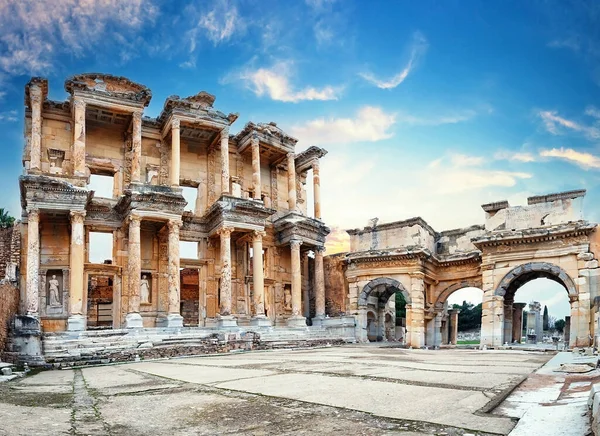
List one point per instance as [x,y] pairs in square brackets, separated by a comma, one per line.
[547,238]
[258,253]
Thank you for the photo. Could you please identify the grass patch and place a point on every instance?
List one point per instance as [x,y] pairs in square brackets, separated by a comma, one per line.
[471,342]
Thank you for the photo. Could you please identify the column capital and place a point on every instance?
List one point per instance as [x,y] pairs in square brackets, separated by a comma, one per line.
[254,139]
[225,132]
[35,94]
[33,215]
[134,219]
[175,123]
[291,155]
[225,231]
[320,249]
[77,216]
[295,244]
[78,102]
[174,225]
[137,116]
[257,235]
[315,165]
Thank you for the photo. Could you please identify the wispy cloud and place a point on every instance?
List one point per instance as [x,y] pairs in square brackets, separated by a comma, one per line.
[274,82]
[571,43]
[553,122]
[436,120]
[10,116]
[34,33]
[592,111]
[370,124]
[218,24]
[418,48]
[463,160]
[515,156]
[583,159]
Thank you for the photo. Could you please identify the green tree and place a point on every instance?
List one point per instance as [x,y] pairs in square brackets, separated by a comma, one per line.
[400,306]
[560,325]
[5,219]
[545,319]
[469,317]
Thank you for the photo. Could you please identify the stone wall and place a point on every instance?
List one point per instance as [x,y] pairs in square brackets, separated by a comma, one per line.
[5,249]
[9,304]
[335,284]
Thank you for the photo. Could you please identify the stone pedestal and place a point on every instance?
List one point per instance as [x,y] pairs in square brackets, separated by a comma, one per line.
[76,323]
[260,321]
[174,320]
[27,339]
[226,321]
[296,321]
[134,321]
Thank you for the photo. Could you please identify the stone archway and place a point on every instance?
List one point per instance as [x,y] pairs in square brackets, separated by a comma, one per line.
[502,312]
[448,317]
[373,299]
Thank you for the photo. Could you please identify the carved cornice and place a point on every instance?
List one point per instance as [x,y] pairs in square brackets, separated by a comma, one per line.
[40,83]
[308,158]
[197,106]
[528,236]
[108,85]
[394,225]
[43,192]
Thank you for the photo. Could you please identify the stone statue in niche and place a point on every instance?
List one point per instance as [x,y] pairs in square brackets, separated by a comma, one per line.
[54,292]
[144,289]
[288,298]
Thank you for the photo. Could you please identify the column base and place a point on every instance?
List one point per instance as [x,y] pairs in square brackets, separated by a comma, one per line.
[317,321]
[76,323]
[174,320]
[134,321]
[260,321]
[226,321]
[296,321]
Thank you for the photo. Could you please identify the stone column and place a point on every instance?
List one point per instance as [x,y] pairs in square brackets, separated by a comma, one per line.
[291,181]
[79,138]
[136,147]
[134,271]
[517,331]
[225,160]
[492,318]
[567,332]
[225,318]
[35,152]
[258,281]
[508,321]
[416,329]
[174,318]
[317,188]
[453,313]
[77,320]
[296,320]
[319,286]
[256,168]
[175,151]
[33,262]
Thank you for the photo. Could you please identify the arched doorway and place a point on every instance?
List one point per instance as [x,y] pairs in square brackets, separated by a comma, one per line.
[499,322]
[376,309]
[464,307]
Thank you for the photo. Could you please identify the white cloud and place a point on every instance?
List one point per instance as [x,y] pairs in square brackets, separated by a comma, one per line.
[418,48]
[592,111]
[319,5]
[370,124]
[515,156]
[584,160]
[34,32]
[436,120]
[552,122]
[10,116]
[572,43]
[462,160]
[218,24]
[275,83]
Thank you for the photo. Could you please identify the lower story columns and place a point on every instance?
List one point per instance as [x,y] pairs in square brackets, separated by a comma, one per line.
[76,320]
[225,319]
[258,281]
[174,318]
[517,327]
[33,263]
[453,315]
[319,287]
[134,271]
[296,320]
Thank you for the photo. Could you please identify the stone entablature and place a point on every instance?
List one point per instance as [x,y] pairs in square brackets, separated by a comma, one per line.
[249,223]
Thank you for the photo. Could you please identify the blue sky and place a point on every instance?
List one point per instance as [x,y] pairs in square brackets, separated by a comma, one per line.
[427,108]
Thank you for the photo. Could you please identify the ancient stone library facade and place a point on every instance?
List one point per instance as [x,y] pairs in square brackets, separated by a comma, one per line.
[547,238]
[258,252]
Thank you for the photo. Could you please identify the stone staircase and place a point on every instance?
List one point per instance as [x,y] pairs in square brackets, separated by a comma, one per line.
[105,346]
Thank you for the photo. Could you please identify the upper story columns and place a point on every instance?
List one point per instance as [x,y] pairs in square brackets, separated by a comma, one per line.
[317,188]
[175,151]
[136,147]
[291,164]
[225,160]
[35,96]
[256,186]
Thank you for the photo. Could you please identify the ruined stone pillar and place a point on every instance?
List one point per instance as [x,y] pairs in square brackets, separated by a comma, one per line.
[453,325]
[417,311]
[35,152]
[567,332]
[296,320]
[291,181]
[256,168]
[492,317]
[437,338]
[508,321]
[517,330]
[79,138]
[33,262]
[225,160]
[134,271]
[174,318]
[258,281]
[317,189]
[225,318]
[136,147]
[319,286]
[175,151]
[76,321]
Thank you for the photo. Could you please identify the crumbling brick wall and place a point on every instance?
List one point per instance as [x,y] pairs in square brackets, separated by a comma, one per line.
[9,304]
[9,293]
[335,284]
[5,249]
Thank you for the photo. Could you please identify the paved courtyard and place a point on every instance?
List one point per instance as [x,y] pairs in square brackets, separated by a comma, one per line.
[347,390]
